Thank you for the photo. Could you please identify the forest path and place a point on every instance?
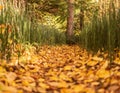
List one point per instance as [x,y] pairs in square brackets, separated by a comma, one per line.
[60,69]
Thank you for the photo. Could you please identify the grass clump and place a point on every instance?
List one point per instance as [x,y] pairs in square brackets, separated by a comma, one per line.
[43,34]
[103,32]
[17,26]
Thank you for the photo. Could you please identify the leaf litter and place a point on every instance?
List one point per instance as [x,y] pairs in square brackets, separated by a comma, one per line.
[59,69]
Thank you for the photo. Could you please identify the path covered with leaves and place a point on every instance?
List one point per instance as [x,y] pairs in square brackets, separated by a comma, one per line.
[60,69]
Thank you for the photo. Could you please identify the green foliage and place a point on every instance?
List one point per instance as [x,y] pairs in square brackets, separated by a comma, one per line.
[8,33]
[16,26]
[43,34]
[103,32]
[29,25]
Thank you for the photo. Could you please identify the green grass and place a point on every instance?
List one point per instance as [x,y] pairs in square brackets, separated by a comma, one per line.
[103,32]
[43,34]
[24,29]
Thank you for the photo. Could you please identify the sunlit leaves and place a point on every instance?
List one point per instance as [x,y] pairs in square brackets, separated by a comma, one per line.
[58,69]
[103,73]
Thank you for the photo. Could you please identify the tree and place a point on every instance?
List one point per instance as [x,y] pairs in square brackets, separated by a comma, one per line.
[70,21]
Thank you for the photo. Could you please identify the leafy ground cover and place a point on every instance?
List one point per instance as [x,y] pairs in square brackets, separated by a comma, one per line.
[59,69]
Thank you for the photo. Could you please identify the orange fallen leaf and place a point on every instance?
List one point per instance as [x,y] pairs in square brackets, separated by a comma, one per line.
[92,63]
[78,88]
[102,73]
[61,84]
[65,90]
[11,76]
[43,85]
[68,68]
[25,83]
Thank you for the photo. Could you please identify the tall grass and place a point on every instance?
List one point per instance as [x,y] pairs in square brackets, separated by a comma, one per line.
[17,26]
[43,34]
[103,32]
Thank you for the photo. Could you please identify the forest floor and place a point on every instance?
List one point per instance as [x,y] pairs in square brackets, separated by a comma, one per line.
[60,69]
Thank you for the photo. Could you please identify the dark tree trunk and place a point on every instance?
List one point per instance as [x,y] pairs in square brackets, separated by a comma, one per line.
[70,19]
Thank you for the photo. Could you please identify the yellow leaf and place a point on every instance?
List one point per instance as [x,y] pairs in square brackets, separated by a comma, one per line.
[20,91]
[25,83]
[43,85]
[41,80]
[78,88]
[54,78]
[10,41]
[2,69]
[21,70]
[95,83]
[92,63]
[40,90]
[117,61]
[68,68]
[90,73]
[118,73]
[9,89]
[88,80]
[64,77]
[61,84]
[97,58]
[105,65]
[89,90]
[11,76]
[65,90]
[102,73]
[102,90]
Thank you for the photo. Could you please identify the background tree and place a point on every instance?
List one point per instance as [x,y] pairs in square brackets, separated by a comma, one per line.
[70,21]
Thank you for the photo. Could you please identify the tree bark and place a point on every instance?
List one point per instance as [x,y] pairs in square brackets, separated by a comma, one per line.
[70,23]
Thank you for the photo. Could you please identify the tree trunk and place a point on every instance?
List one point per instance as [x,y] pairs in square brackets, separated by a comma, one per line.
[70,19]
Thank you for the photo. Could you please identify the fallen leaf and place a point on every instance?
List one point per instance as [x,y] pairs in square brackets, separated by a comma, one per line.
[92,63]
[102,73]
[43,85]
[68,68]
[65,90]
[11,76]
[58,84]
[96,58]
[78,88]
